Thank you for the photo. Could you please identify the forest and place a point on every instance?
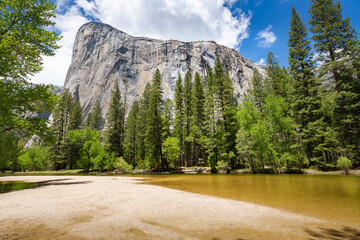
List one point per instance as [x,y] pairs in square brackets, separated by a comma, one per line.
[305,115]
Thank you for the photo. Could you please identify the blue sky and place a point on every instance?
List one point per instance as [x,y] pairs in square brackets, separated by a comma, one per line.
[253,27]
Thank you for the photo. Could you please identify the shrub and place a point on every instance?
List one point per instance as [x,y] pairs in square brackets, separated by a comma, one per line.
[222,166]
[122,166]
[344,163]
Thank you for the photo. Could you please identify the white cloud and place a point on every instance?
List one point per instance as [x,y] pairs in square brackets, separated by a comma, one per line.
[184,20]
[261,62]
[266,37]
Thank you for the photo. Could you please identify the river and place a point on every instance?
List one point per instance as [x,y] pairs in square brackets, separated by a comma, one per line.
[335,198]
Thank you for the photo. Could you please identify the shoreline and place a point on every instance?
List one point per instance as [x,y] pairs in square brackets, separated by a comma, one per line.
[111,207]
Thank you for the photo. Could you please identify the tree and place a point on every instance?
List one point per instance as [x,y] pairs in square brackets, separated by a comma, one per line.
[25,37]
[61,116]
[187,117]
[141,126]
[167,119]
[35,158]
[92,153]
[171,151]
[97,121]
[131,135]
[197,121]
[306,99]
[256,92]
[76,116]
[114,131]
[153,139]
[337,47]
[179,117]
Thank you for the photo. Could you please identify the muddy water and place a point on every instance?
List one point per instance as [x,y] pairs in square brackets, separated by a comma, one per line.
[334,198]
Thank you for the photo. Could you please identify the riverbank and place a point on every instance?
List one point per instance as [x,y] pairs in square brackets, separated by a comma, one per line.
[193,170]
[91,207]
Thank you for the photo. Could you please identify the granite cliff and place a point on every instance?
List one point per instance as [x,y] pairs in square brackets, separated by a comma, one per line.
[102,54]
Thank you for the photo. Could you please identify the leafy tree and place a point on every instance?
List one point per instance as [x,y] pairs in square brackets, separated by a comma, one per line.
[35,158]
[171,151]
[345,164]
[25,37]
[92,153]
[114,123]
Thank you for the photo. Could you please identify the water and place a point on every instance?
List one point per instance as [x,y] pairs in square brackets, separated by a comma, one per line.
[7,186]
[334,198]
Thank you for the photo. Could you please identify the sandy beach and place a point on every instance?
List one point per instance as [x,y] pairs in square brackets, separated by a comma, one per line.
[91,207]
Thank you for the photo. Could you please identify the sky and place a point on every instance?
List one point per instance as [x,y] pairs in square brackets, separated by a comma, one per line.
[253,27]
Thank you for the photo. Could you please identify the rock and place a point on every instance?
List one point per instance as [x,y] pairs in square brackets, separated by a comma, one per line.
[102,54]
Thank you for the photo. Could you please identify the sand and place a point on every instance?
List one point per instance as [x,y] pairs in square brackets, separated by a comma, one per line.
[107,207]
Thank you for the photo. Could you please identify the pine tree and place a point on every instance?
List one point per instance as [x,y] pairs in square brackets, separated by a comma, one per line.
[227,126]
[179,117]
[75,122]
[142,125]
[167,119]
[130,141]
[97,120]
[198,98]
[153,139]
[61,116]
[337,45]
[114,122]
[76,116]
[187,118]
[306,98]
[256,91]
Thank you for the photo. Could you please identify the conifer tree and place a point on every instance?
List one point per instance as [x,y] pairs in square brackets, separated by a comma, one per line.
[61,116]
[337,46]
[306,98]
[75,123]
[256,91]
[187,117]
[114,122]
[153,139]
[179,117]
[97,120]
[198,98]
[142,125]
[131,135]
[76,116]
[167,119]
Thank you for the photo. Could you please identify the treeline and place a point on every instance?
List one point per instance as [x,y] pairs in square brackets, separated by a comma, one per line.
[304,116]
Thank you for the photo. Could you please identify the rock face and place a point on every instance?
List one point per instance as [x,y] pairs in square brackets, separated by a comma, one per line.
[103,54]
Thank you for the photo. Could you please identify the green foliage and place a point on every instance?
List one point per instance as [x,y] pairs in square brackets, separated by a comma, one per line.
[114,128]
[76,116]
[122,166]
[92,154]
[25,37]
[131,135]
[179,117]
[95,119]
[222,166]
[344,163]
[153,139]
[35,158]
[171,151]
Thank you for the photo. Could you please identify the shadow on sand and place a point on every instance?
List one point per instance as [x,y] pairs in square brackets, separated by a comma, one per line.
[329,233]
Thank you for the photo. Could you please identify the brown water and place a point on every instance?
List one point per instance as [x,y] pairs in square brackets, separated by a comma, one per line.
[334,198]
